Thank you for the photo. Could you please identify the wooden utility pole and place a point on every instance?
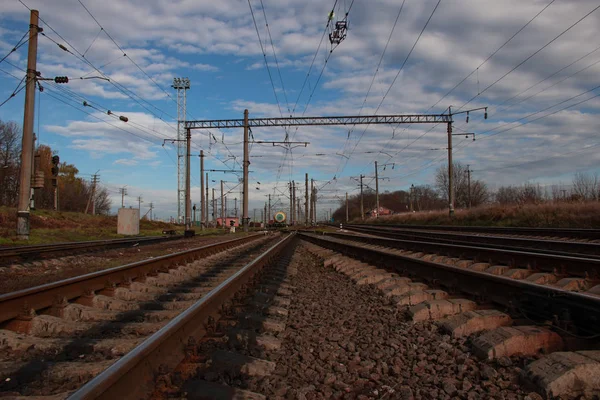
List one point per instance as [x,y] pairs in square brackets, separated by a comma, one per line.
[92,198]
[188,201]
[222,207]
[202,190]
[346,207]
[246,165]
[376,190]
[27,141]
[362,209]
[306,199]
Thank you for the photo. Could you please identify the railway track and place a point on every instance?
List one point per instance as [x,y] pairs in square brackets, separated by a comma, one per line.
[505,316]
[55,337]
[586,234]
[547,246]
[37,252]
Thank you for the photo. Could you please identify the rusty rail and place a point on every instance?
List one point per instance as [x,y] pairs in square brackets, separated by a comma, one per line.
[43,296]
[132,377]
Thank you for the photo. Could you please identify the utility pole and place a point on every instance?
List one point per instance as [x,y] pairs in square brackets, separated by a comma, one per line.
[226,211]
[346,207]
[123,192]
[254,216]
[202,190]
[294,202]
[410,197]
[291,204]
[469,183]
[140,203]
[298,209]
[151,208]
[246,165]
[235,210]
[376,190]
[27,141]
[188,200]
[362,209]
[450,169]
[269,214]
[265,218]
[312,200]
[306,199]
[222,206]
[214,208]
[206,202]
[92,198]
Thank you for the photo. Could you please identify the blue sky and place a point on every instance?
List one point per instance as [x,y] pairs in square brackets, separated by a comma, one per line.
[216,45]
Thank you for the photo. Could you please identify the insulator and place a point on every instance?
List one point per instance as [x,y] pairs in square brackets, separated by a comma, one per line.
[467,117]
[124,119]
[485,114]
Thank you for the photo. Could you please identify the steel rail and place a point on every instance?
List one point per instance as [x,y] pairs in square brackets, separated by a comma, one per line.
[132,377]
[558,247]
[29,252]
[546,303]
[574,233]
[44,296]
[581,266]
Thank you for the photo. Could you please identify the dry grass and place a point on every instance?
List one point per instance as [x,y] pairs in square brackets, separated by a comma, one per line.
[551,215]
[53,227]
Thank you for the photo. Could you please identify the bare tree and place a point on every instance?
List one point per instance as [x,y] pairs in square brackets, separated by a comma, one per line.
[10,150]
[479,190]
[585,186]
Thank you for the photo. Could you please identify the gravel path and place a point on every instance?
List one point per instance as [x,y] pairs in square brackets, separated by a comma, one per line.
[347,341]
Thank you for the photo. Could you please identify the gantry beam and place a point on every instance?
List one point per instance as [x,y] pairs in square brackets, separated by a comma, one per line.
[305,121]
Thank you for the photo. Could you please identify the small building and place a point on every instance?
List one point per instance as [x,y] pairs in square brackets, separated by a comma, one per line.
[382,211]
[228,220]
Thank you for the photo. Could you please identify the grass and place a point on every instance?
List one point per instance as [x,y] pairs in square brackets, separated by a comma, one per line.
[546,215]
[53,227]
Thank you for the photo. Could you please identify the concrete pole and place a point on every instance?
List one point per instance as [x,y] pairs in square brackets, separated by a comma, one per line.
[450,180]
[202,190]
[469,183]
[312,201]
[265,221]
[27,141]
[346,207]
[306,199]
[362,209]
[188,201]
[298,208]
[246,165]
[214,208]
[294,202]
[291,204]
[222,207]
[269,214]
[376,190]
[207,201]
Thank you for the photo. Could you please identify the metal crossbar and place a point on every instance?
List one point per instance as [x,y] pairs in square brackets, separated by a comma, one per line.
[304,121]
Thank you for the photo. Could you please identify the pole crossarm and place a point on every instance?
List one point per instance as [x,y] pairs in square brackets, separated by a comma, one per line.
[305,121]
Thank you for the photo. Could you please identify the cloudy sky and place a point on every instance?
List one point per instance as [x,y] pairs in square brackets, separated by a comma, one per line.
[534,63]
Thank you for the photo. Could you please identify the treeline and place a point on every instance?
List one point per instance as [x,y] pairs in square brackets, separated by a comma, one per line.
[470,192]
[74,193]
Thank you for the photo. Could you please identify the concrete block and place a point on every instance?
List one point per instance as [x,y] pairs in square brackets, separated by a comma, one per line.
[566,375]
[438,309]
[475,321]
[523,340]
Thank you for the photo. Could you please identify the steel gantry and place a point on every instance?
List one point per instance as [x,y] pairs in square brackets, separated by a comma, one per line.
[248,123]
